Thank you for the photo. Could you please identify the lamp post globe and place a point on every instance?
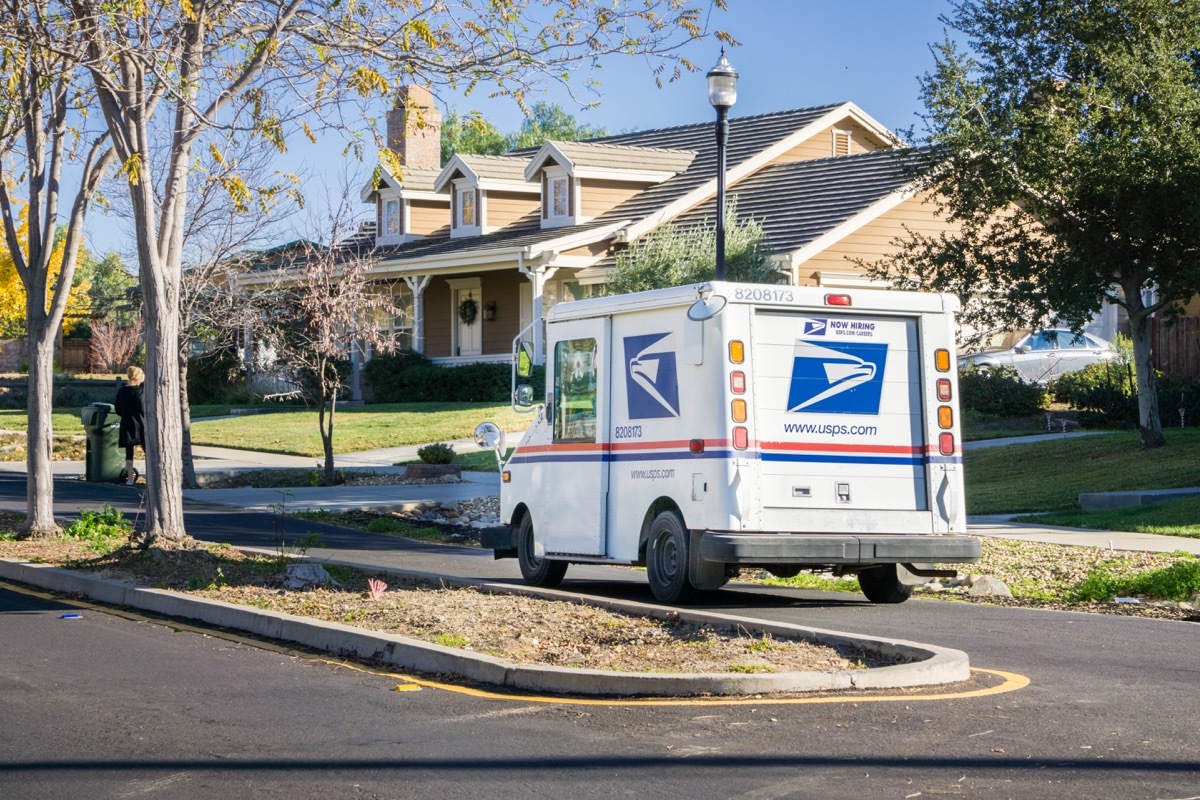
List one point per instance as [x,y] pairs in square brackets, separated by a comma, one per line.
[722,94]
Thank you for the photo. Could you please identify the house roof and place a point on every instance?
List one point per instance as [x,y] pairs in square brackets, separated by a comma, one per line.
[798,202]
[605,159]
[414,179]
[483,169]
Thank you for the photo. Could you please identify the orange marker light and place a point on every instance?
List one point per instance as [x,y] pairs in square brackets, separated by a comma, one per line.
[941,358]
[737,382]
[737,352]
[506,477]
[739,410]
[943,390]
[945,417]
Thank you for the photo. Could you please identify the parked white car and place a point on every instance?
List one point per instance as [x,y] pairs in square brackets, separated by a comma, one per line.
[1041,356]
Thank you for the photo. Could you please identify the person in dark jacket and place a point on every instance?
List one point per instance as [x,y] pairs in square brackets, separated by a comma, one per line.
[133,420]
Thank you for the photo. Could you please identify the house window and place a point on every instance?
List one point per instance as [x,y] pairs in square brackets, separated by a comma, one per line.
[395,323]
[391,217]
[560,197]
[841,143]
[466,209]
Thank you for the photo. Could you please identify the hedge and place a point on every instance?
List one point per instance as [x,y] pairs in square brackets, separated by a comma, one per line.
[407,377]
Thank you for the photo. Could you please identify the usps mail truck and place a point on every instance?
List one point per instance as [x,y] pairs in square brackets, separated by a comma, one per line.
[703,429]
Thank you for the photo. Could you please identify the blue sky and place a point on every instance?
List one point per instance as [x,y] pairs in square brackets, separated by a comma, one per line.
[792,54]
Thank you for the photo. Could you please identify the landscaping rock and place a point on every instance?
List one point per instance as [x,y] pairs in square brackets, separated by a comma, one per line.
[306,576]
[987,586]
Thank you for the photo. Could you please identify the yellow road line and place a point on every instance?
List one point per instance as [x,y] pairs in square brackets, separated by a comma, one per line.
[1010,682]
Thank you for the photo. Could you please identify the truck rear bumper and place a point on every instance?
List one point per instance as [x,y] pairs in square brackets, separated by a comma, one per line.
[802,548]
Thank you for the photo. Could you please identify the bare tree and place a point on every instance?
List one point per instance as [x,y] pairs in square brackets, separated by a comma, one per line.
[43,125]
[322,304]
[113,347]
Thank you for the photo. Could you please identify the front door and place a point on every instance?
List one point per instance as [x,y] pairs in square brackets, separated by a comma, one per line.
[469,327]
[575,487]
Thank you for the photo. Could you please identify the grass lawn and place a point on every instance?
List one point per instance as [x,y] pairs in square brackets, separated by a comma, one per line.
[473,460]
[64,420]
[357,428]
[1049,476]
[1175,518]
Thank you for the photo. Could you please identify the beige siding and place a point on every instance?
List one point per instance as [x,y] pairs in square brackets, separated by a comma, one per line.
[506,208]
[502,287]
[600,196]
[591,250]
[875,239]
[426,217]
[821,145]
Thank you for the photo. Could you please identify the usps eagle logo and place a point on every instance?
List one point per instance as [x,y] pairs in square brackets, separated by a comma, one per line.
[651,376]
[836,377]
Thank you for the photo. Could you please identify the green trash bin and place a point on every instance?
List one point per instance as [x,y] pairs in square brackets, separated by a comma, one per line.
[104,462]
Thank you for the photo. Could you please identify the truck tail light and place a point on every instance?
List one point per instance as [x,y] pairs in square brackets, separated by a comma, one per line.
[943,390]
[737,382]
[737,352]
[941,358]
[696,446]
[946,444]
[741,438]
[837,299]
[945,417]
[739,410]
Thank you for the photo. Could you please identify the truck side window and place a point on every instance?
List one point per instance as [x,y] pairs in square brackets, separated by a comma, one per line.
[575,390]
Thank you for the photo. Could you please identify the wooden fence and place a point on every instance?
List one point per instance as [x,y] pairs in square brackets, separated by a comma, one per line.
[1177,346]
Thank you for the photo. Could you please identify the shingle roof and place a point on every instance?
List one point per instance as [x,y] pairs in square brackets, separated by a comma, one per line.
[500,168]
[608,155]
[418,178]
[798,202]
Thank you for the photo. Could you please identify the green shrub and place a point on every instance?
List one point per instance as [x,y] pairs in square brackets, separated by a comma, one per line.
[1179,581]
[407,377]
[216,376]
[1106,396]
[103,530]
[998,392]
[437,453]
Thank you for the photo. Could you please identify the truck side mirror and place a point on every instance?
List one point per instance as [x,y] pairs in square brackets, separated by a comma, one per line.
[524,396]
[524,362]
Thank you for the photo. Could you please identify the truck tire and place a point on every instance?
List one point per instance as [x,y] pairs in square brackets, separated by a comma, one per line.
[667,552]
[536,571]
[882,584]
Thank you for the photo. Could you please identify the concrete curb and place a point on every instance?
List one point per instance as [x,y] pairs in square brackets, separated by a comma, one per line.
[931,665]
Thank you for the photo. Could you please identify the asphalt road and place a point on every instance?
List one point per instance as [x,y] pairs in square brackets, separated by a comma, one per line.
[105,706]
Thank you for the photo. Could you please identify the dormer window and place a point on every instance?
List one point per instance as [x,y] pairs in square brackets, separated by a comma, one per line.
[466,208]
[391,217]
[560,197]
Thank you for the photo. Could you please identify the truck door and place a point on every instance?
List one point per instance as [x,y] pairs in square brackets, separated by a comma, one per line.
[575,482]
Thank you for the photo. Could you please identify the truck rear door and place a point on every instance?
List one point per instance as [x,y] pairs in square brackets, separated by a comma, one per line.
[838,411]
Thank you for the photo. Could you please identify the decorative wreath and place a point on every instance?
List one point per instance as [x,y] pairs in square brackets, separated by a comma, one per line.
[467,310]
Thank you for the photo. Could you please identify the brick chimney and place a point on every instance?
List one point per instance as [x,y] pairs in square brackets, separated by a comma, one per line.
[414,128]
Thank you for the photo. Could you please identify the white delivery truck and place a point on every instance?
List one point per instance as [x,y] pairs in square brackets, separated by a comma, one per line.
[702,429]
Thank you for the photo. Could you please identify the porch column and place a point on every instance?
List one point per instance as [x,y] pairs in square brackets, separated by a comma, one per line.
[417,284]
[537,280]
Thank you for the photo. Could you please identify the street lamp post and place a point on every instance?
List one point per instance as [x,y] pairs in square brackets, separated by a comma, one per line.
[722,94]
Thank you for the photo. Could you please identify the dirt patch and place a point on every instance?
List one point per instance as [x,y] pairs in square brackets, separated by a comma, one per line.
[13,447]
[523,629]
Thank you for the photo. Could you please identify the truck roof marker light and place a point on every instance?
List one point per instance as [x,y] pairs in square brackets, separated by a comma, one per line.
[739,410]
[741,438]
[737,351]
[737,382]
[946,444]
[943,390]
[837,300]
[696,446]
[941,358]
[945,417]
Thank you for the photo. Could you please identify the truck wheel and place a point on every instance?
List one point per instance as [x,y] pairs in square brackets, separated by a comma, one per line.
[882,584]
[667,559]
[536,571]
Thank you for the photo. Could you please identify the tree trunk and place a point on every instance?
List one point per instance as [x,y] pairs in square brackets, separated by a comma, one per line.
[1149,419]
[39,484]
[185,415]
[326,424]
